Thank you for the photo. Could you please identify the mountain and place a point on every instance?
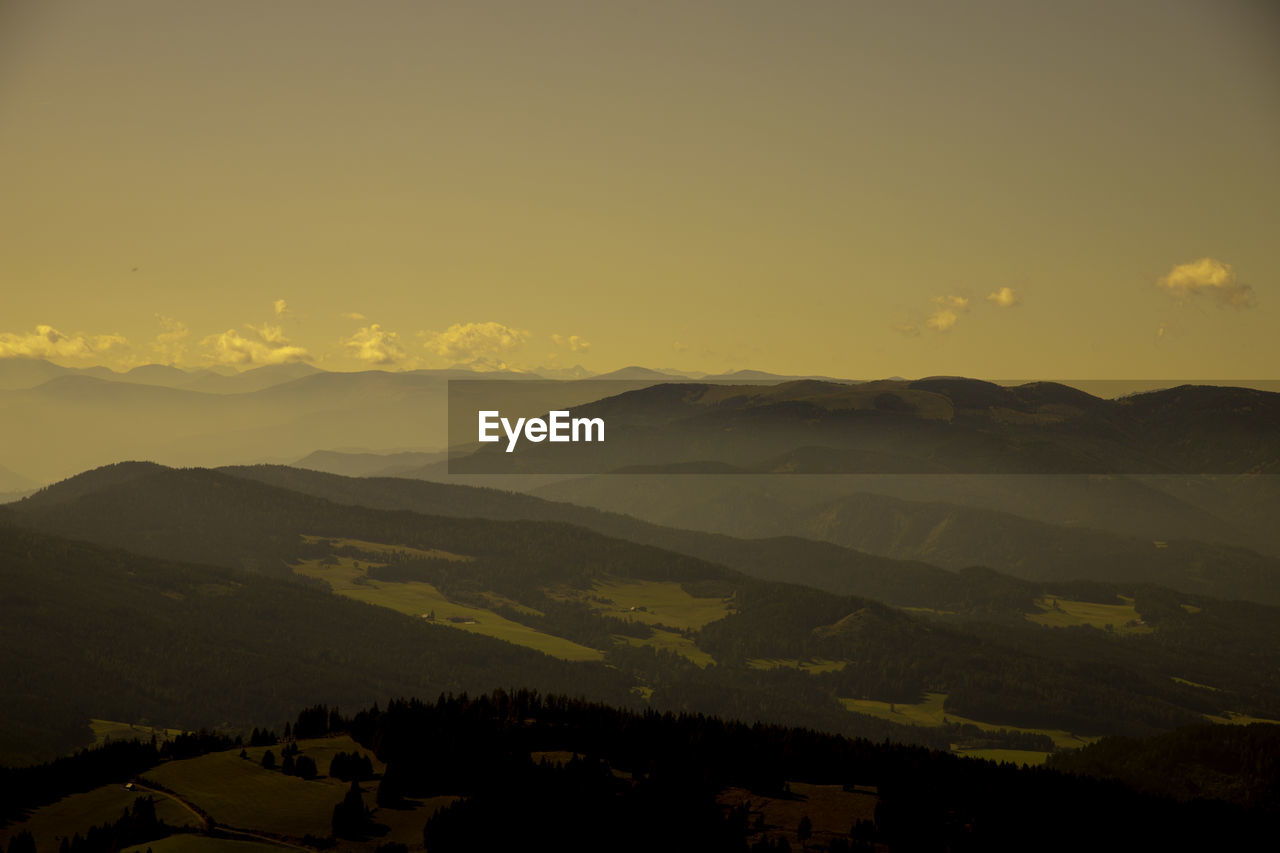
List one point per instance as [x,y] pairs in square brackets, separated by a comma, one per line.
[661,618]
[352,464]
[776,541]
[939,425]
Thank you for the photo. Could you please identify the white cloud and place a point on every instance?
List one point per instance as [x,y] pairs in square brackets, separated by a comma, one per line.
[1005,297]
[270,346]
[1207,276]
[48,342]
[281,308]
[171,344]
[573,342]
[483,343]
[374,345]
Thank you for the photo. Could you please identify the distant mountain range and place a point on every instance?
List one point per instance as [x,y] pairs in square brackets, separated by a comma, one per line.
[938,425]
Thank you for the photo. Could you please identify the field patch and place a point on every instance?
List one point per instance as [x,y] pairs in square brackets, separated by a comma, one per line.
[377,548]
[203,844]
[1119,618]
[422,600]
[929,712]
[1231,718]
[105,730]
[651,602]
[672,641]
[77,812]
[1011,756]
[830,808]
[813,667]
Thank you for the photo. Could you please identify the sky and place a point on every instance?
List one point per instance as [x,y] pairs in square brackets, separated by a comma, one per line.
[858,189]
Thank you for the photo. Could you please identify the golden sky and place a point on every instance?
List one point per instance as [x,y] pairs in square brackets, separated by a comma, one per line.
[859,189]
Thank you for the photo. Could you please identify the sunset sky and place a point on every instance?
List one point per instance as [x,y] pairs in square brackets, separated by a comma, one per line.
[858,189]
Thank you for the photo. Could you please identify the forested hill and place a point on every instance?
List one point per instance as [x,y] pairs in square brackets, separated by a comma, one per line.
[556,582]
[919,537]
[87,631]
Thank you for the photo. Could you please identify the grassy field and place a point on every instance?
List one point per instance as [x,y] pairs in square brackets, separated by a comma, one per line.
[1231,718]
[202,844]
[415,598]
[78,812]
[105,730]
[673,642]
[1063,612]
[930,713]
[1012,756]
[237,793]
[240,793]
[813,667]
[830,809]
[654,603]
[378,548]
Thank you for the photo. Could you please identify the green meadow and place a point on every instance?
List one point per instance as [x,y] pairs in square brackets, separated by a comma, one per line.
[1058,612]
[78,812]
[105,730]
[929,712]
[672,642]
[653,603]
[417,598]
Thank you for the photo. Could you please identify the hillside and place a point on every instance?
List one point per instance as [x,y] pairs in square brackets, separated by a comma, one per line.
[512,769]
[659,619]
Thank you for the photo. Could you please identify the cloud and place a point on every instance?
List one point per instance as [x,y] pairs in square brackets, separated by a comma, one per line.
[353,315]
[281,308]
[374,345]
[48,342]
[484,343]
[574,342]
[908,329]
[942,320]
[1005,297]
[170,345]
[679,347]
[1206,276]
[945,316]
[270,346]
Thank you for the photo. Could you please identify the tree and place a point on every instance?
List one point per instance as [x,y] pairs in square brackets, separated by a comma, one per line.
[268,760]
[305,766]
[23,842]
[350,820]
[804,831]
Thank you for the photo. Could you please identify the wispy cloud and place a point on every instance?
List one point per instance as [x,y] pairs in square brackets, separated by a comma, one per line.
[1206,277]
[573,342]
[281,308]
[170,346]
